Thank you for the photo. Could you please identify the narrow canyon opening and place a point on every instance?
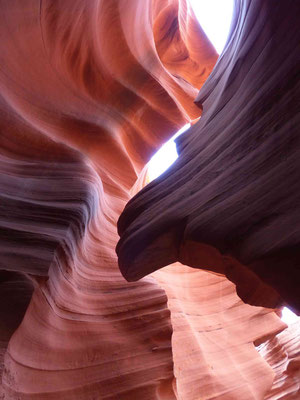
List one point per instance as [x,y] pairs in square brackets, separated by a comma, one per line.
[215,18]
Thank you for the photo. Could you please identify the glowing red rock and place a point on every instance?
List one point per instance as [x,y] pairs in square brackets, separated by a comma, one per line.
[85,102]
[89,91]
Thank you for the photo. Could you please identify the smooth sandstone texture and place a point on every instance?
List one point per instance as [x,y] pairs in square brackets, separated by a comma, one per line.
[282,353]
[86,99]
[230,203]
[214,337]
[215,334]
[88,91]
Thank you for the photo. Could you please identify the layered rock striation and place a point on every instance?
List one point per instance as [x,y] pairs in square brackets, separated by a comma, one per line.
[230,203]
[88,92]
[86,98]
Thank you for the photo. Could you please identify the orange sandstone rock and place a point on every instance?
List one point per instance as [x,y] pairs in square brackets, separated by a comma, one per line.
[85,101]
[89,91]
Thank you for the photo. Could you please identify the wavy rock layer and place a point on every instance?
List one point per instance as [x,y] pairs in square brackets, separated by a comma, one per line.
[215,334]
[214,337]
[89,90]
[230,203]
[283,354]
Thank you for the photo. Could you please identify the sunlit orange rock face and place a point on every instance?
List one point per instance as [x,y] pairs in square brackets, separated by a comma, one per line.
[89,91]
[282,353]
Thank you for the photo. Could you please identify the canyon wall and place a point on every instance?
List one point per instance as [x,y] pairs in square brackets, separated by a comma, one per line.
[89,90]
[230,203]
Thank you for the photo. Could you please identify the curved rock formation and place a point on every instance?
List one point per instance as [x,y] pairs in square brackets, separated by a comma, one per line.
[230,203]
[214,337]
[282,353]
[215,334]
[88,91]
[86,98]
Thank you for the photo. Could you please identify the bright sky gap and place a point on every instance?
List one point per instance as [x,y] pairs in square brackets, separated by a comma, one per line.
[215,18]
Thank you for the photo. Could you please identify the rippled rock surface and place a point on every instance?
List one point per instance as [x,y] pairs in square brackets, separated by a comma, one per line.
[231,202]
[89,90]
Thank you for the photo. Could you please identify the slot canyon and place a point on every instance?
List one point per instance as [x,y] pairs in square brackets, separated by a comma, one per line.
[114,287]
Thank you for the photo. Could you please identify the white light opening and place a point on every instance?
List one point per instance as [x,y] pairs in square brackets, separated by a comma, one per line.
[165,156]
[215,18]
[288,316]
